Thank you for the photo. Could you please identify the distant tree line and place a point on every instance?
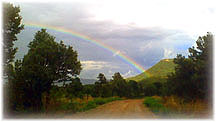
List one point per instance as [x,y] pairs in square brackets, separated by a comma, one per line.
[117,86]
[47,61]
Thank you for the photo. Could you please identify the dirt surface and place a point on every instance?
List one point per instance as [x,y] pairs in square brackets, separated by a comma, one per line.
[123,109]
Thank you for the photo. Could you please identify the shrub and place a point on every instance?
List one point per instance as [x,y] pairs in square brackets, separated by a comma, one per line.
[155,105]
[100,101]
[71,106]
[89,105]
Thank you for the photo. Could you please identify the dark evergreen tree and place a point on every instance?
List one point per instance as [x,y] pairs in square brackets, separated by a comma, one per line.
[119,85]
[47,61]
[191,77]
[133,89]
[11,27]
[101,77]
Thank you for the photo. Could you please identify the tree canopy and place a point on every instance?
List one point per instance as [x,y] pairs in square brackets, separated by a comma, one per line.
[101,77]
[190,79]
[45,63]
[11,27]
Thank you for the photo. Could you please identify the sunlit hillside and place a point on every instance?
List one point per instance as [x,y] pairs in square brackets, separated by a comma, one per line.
[161,69]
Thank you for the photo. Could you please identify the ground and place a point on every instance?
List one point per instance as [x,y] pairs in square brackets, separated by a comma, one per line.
[123,109]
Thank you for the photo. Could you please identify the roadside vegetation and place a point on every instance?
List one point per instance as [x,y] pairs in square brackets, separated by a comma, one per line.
[191,83]
[65,105]
[183,85]
[175,107]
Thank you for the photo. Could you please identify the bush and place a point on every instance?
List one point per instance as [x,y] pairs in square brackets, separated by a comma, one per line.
[98,101]
[72,106]
[155,105]
[89,105]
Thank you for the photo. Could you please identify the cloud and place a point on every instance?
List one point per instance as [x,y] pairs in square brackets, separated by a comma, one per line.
[135,32]
[128,74]
[116,53]
[96,65]
[168,53]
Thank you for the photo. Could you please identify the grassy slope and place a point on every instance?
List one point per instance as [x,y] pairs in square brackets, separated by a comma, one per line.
[161,69]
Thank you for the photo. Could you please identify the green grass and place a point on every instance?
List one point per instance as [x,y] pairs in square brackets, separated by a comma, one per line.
[80,107]
[156,106]
[98,101]
[151,80]
[161,69]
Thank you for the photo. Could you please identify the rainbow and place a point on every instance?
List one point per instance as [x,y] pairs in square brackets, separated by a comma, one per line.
[124,57]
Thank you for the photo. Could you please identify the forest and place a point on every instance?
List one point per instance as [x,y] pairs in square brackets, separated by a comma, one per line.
[32,83]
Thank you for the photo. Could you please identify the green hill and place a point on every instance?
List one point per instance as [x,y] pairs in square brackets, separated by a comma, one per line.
[161,69]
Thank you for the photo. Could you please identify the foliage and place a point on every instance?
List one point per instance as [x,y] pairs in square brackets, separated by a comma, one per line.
[150,90]
[133,89]
[119,85]
[155,105]
[11,27]
[30,81]
[46,61]
[88,90]
[190,79]
[101,77]
[176,107]
[88,106]
[98,101]
[75,88]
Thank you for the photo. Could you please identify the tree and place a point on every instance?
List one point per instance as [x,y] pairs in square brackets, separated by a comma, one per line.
[149,90]
[106,90]
[158,86]
[97,89]
[119,85]
[101,77]
[133,89]
[16,89]
[11,27]
[88,90]
[102,87]
[191,77]
[48,61]
[75,88]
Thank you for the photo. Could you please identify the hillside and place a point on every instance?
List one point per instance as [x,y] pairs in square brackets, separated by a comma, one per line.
[161,69]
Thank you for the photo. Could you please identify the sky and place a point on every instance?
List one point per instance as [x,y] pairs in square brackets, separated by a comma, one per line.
[144,31]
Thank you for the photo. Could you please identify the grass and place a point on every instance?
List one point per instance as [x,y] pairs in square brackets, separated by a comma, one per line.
[80,106]
[161,69]
[156,106]
[98,101]
[173,107]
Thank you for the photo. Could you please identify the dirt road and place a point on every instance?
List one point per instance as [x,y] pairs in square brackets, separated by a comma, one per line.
[124,109]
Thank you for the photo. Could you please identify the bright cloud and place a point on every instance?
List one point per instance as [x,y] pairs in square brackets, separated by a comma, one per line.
[128,74]
[168,53]
[189,16]
[96,65]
